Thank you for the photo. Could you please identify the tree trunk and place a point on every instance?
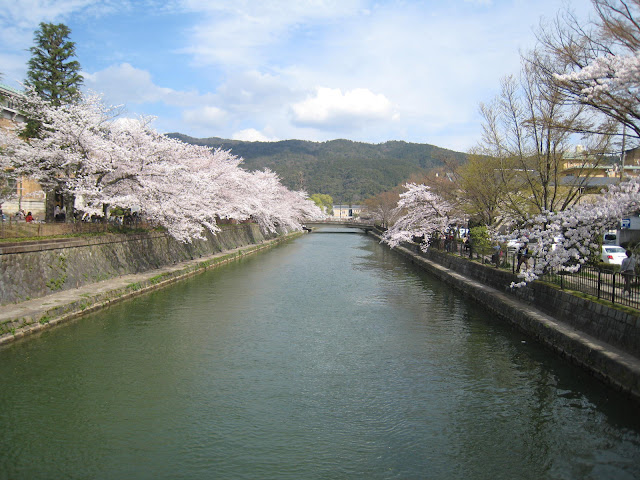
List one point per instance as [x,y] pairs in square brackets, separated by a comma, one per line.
[69,202]
[49,206]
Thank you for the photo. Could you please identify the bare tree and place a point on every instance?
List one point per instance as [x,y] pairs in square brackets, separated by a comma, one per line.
[527,130]
[382,207]
[585,63]
[484,186]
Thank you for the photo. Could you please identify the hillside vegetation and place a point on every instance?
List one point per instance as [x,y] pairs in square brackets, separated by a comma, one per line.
[348,171]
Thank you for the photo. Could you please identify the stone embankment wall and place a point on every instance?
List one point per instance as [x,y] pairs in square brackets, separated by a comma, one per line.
[32,271]
[620,328]
[602,339]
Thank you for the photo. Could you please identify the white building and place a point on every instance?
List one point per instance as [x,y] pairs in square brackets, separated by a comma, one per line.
[346,212]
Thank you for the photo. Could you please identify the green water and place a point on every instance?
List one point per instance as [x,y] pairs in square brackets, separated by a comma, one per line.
[326,358]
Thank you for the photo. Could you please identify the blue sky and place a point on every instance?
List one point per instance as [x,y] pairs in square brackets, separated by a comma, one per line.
[316,70]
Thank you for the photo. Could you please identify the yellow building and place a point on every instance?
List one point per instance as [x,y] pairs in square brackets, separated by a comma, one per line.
[28,196]
[346,212]
[580,163]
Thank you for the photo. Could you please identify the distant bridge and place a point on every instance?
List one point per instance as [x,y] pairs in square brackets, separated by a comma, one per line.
[366,226]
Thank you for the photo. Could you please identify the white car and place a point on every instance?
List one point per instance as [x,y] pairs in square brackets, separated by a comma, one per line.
[610,238]
[513,246]
[612,254]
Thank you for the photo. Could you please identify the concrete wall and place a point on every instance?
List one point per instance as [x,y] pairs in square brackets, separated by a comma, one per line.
[34,271]
[603,340]
[620,328]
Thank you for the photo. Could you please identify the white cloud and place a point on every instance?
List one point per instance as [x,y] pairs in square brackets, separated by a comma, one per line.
[242,33]
[253,92]
[205,117]
[330,108]
[28,13]
[125,84]
[252,135]
[247,67]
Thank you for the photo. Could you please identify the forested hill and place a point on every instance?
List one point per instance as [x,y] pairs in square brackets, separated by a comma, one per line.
[348,171]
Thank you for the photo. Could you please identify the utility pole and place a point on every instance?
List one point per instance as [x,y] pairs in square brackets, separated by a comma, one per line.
[624,138]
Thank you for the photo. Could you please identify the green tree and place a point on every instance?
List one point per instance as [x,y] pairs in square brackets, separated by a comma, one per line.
[325,202]
[484,185]
[382,207]
[481,240]
[527,128]
[53,73]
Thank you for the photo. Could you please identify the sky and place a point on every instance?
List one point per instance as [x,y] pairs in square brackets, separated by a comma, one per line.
[267,70]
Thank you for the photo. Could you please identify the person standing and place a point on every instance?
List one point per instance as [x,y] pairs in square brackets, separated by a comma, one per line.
[628,271]
[495,257]
[523,257]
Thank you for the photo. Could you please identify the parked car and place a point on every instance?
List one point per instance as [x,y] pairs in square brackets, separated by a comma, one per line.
[610,238]
[613,254]
[513,246]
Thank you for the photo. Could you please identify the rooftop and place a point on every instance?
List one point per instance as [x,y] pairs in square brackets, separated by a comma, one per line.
[7,89]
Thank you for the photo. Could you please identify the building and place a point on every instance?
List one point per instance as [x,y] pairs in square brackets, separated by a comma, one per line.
[10,116]
[27,195]
[346,212]
[606,166]
[593,174]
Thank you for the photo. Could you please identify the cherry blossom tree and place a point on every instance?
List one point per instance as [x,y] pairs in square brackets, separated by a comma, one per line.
[565,240]
[67,137]
[82,150]
[274,206]
[596,64]
[423,214]
[617,75]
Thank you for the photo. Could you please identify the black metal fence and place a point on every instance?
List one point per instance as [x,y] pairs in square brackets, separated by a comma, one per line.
[603,283]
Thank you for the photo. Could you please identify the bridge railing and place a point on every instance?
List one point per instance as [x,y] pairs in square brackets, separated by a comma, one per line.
[338,221]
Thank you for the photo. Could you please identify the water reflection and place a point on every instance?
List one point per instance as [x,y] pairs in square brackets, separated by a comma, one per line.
[329,357]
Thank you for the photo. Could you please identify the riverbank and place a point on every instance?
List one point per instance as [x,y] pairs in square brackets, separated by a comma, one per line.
[30,270]
[25,318]
[611,364]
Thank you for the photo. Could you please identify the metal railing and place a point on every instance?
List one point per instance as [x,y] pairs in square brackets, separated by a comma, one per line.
[604,283]
[15,228]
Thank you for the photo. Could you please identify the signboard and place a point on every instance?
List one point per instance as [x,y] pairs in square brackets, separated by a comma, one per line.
[626,223]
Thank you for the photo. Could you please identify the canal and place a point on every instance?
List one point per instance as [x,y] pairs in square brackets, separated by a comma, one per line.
[329,357]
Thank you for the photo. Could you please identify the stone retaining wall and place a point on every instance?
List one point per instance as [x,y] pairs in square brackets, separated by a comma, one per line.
[615,326]
[603,340]
[43,270]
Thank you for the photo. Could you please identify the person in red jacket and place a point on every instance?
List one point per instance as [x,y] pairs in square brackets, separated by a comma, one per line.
[28,218]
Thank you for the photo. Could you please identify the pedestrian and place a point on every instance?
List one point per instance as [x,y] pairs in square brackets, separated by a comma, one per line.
[628,271]
[497,253]
[28,218]
[523,256]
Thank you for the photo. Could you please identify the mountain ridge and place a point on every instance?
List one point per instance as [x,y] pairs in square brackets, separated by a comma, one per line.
[349,171]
